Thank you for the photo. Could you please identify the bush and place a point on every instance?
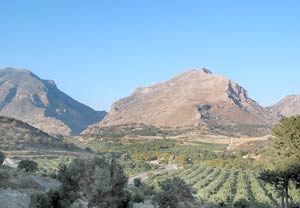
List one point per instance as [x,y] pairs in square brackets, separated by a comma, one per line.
[242,203]
[28,165]
[137,182]
[2,157]
[40,200]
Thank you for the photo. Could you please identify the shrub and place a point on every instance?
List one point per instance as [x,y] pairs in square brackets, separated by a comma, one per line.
[136,195]
[241,203]
[2,157]
[137,182]
[28,165]
[39,200]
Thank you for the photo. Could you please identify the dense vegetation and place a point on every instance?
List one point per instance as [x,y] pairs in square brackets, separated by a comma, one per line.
[131,129]
[239,129]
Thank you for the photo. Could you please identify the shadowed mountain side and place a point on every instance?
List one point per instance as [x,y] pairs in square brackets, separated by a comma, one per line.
[26,97]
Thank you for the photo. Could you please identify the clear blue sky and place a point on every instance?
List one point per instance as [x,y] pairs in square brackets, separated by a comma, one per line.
[100,51]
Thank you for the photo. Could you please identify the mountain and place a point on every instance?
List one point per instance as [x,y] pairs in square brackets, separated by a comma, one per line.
[194,98]
[17,135]
[288,106]
[40,103]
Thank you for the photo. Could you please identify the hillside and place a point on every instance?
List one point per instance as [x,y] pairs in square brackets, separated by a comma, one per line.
[17,135]
[288,106]
[40,103]
[192,99]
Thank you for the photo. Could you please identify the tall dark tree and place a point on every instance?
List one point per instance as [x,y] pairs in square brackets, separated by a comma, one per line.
[283,157]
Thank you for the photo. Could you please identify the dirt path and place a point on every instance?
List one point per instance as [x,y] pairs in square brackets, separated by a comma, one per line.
[145,175]
[230,144]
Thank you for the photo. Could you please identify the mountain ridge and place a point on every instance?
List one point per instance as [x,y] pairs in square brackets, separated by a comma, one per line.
[24,96]
[287,106]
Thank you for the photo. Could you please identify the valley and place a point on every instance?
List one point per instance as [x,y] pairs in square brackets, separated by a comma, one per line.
[198,128]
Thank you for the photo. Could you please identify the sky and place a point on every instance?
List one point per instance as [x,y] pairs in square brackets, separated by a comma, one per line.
[100,51]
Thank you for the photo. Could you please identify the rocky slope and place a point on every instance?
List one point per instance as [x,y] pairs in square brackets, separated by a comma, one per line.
[40,103]
[17,135]
[288,106]
[194,98]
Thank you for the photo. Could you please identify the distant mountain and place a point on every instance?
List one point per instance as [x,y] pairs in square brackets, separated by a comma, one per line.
[288,106]
[194,98]
[40,103]
[17,135]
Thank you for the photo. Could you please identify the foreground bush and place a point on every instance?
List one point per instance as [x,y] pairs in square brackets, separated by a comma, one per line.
[97,180]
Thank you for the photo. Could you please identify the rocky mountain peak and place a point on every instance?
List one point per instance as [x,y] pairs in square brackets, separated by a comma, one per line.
[206,71]
[195,97]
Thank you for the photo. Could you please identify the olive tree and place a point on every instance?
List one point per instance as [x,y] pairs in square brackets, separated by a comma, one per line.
[99,181]
[174,193]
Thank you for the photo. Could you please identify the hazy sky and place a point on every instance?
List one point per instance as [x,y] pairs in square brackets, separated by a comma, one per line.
[100,51]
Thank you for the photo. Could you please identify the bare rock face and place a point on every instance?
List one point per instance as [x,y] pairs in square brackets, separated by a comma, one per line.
[288,106]
[40,103]
[194,98]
